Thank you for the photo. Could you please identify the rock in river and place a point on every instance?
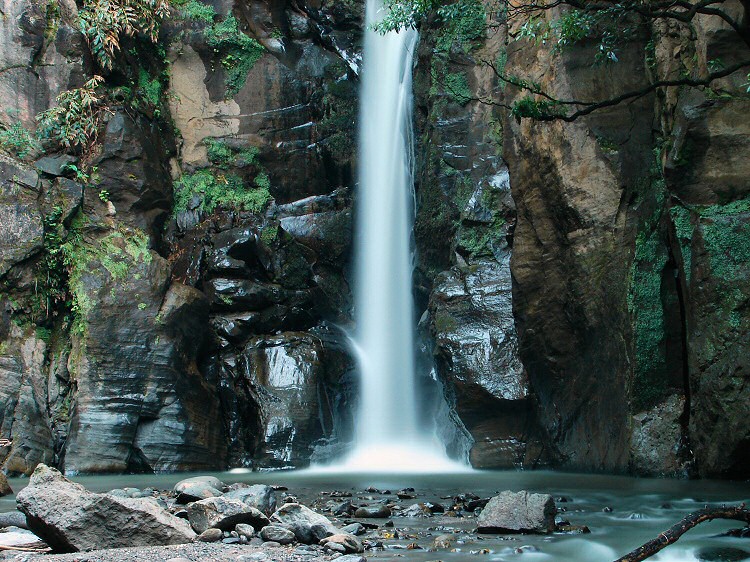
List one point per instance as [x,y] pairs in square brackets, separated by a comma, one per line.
[224,514]
[69,518]
[309,527]
[518,512]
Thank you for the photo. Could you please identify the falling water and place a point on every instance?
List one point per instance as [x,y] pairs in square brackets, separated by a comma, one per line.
[388,436]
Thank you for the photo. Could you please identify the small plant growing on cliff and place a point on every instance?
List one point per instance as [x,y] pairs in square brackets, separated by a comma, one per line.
[74,121]
[18,141]
[238,52]
[222,190]
[194,10]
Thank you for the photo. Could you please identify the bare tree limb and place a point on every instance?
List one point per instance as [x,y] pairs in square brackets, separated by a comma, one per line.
[738,513]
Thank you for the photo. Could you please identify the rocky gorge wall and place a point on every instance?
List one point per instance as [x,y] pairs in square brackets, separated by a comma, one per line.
[584,285]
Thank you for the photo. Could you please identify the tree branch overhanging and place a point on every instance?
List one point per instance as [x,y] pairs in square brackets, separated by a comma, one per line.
[670,536]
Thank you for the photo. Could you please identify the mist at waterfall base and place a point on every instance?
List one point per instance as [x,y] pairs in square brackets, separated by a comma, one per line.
[387,436]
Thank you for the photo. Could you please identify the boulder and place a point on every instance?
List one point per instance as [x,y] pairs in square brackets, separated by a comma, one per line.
[245,530]
[13,519]
[416,510]
[373,512]
[210,535]
[309,527]
[349,542]
[5,488]
[259,496]
[276,533]
[197,488]
[518,512]
[204,481]
[224,514]
[69,518]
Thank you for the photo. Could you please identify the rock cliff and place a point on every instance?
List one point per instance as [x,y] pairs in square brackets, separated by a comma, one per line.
[175,295]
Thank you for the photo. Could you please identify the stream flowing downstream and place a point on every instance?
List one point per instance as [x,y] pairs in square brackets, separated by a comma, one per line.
[640,509]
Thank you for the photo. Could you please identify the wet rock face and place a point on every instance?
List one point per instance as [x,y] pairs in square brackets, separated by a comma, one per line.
[464,231]
[199,339]
[145,407]
[656,443]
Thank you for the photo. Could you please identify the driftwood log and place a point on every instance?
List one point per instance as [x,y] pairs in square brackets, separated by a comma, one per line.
[735,513]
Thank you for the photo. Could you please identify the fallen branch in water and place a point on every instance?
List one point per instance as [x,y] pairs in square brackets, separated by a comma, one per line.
[738,513]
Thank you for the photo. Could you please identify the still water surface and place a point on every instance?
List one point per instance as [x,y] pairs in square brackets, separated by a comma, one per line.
[641,509]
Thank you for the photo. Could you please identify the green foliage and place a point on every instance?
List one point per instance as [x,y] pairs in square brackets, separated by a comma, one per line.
[403,14]
[117,252]
[238,52]
[74,122]
[222,155]
[223,190]
[457,87]
[150,90]
[195,10]
[105,22]
[18,140]
[534,109]
[464,24]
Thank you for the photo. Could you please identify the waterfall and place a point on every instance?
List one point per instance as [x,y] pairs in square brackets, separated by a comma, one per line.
[387,435]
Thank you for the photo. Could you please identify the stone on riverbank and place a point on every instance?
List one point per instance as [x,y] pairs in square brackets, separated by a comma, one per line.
[197,488]
[5,488]
[518,512]
[224,514]
[349,542]
[276,533]
[259,496]
[69,518]
[308,526]
[373,512]
[13,519]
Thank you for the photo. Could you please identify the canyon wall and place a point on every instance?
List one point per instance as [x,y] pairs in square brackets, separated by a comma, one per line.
[176,298]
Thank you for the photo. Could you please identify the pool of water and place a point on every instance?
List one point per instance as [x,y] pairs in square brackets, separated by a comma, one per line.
[621,512]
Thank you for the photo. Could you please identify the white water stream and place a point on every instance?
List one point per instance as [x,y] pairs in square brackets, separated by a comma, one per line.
[388,436]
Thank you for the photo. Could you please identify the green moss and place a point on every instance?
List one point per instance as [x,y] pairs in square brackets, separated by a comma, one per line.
[534,109]
[117,252]
[457,87]
[681,218]
[645,296]
[238,52]
[649,384]
[44,334]
[444,322]
[269,234]
[223,190]
[219,152]
[726,235]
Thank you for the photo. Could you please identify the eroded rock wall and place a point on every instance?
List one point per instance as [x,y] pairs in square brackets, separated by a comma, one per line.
[145,327]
